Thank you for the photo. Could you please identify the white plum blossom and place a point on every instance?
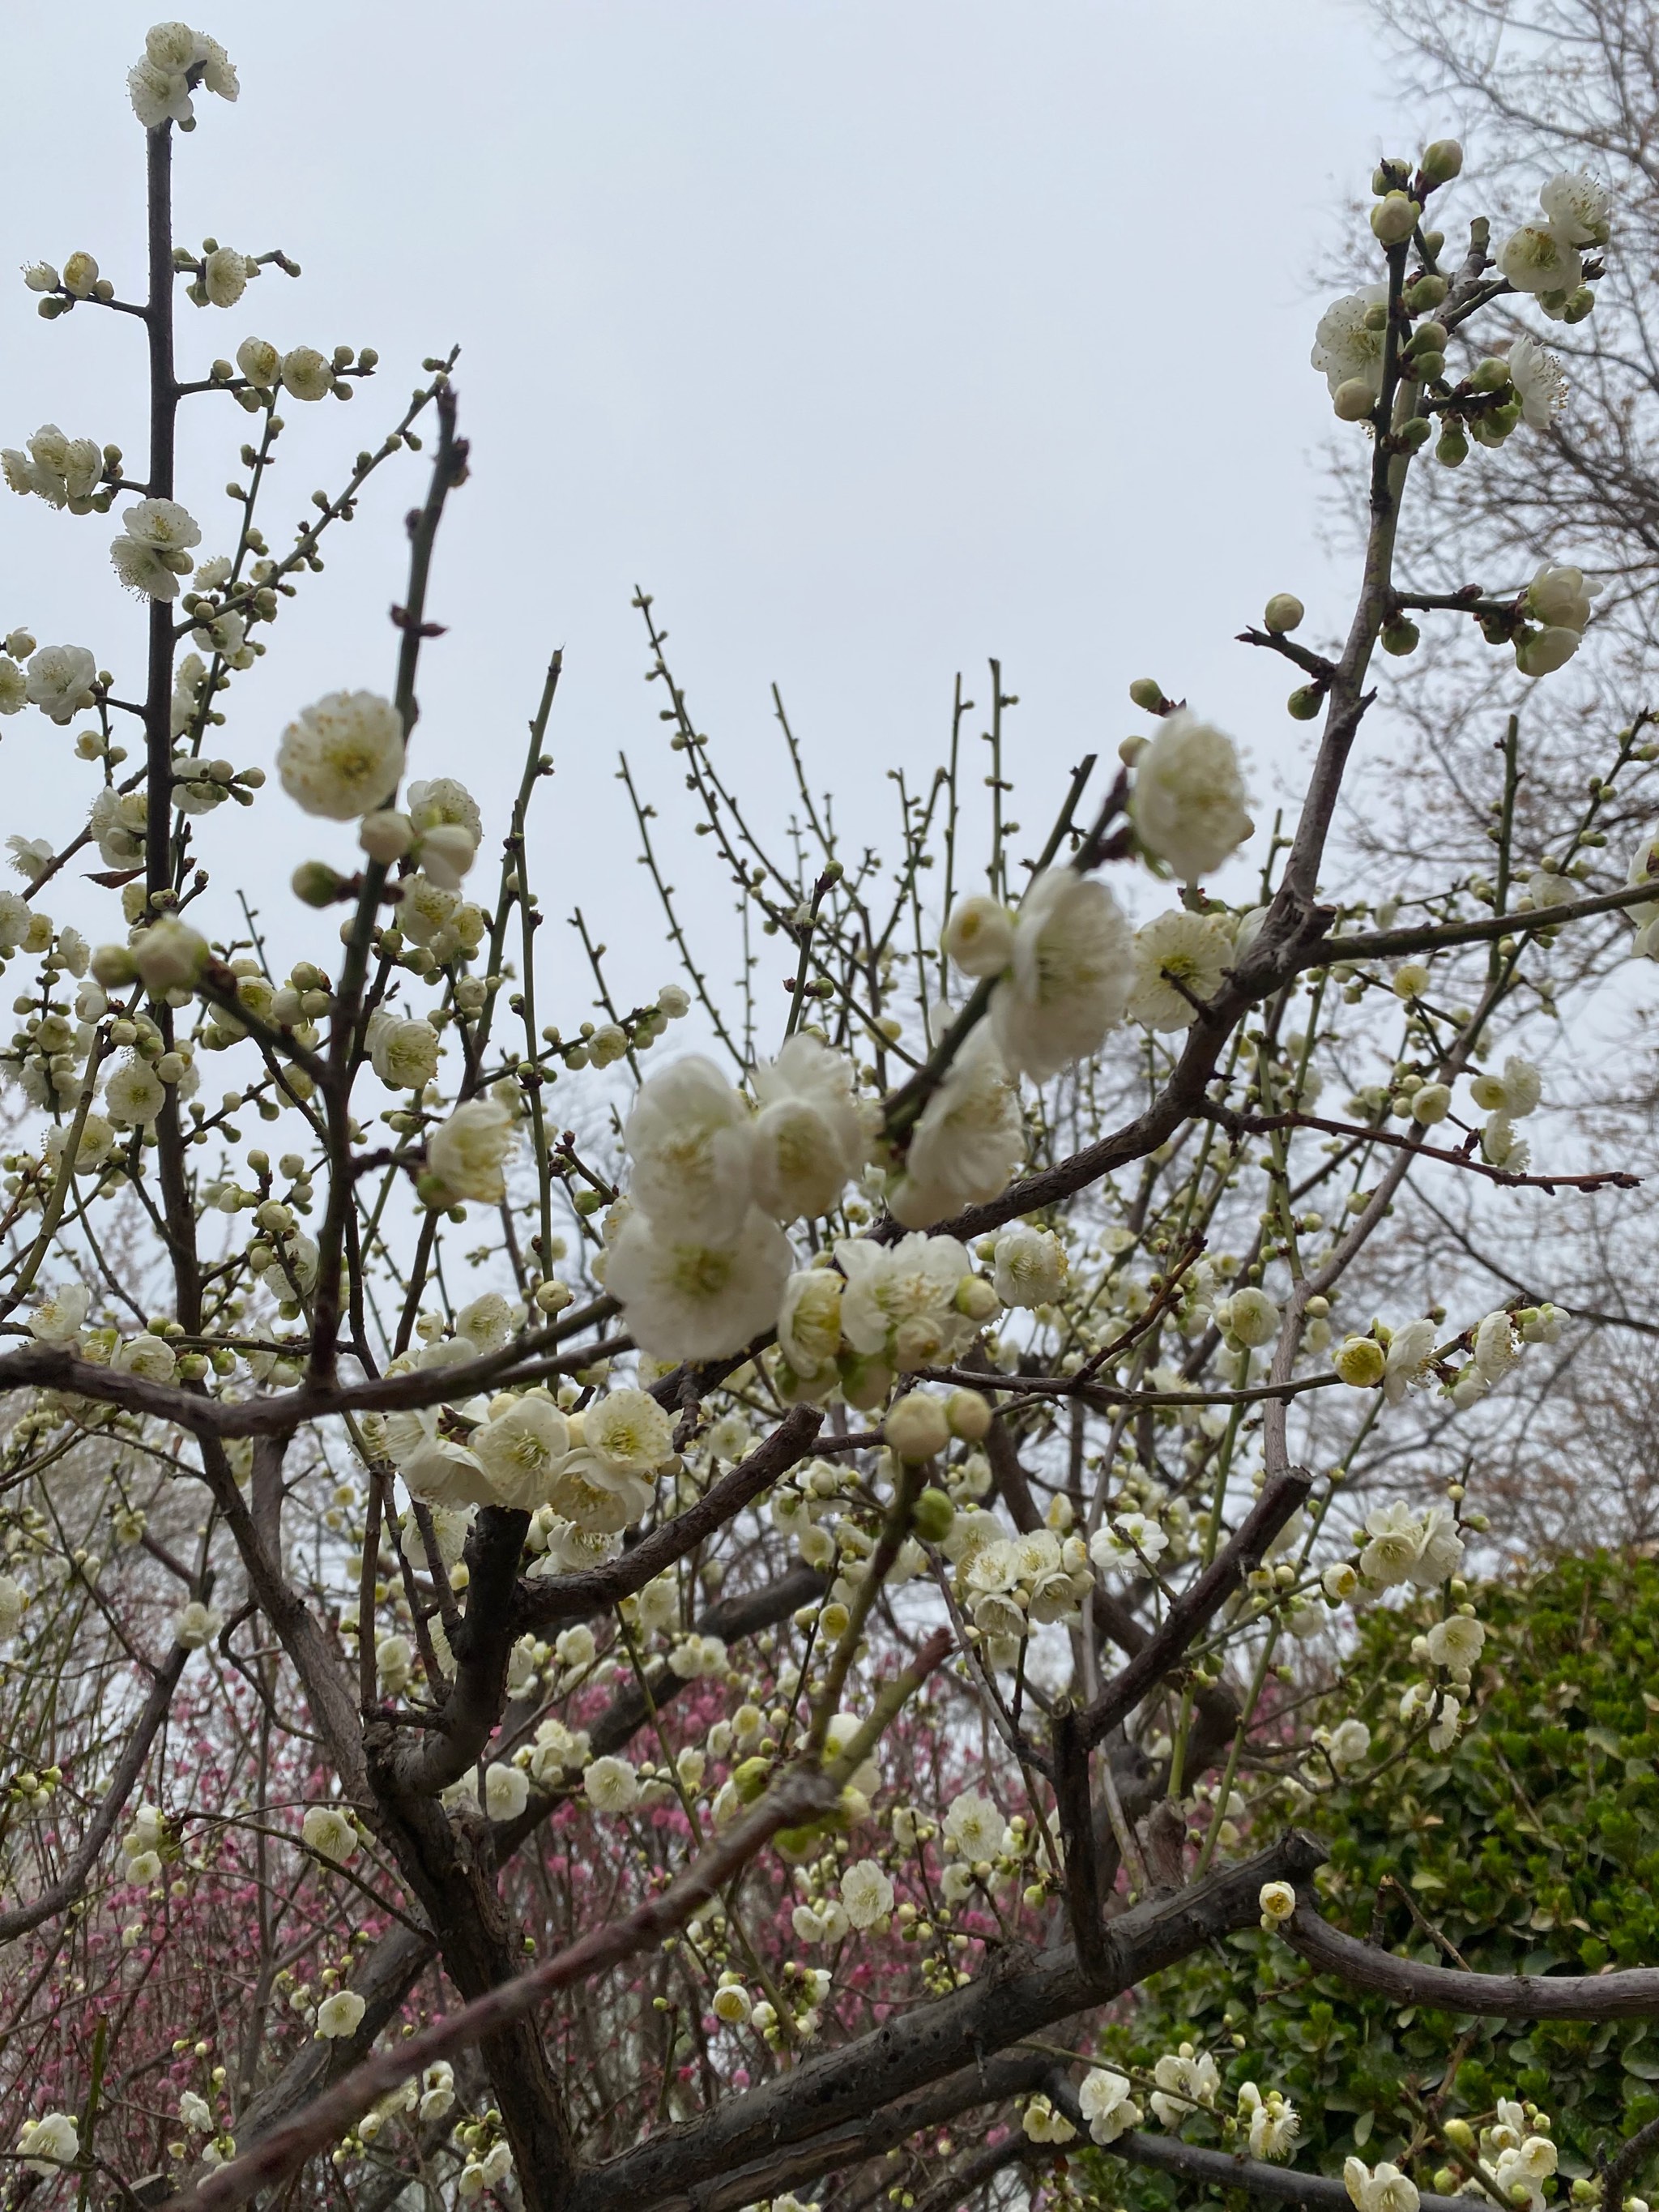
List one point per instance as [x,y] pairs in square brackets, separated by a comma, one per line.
[866,1894]
[327,1830]
[809,1321]
[1409,1351]
[1537,259]
[1028,1265]
[1456,1642]
[1349,343]
[1185,2079]
[1129,1542]
[969,1139]
[807,1141]
[194,1624]
[151,557]
[507,1790]
[61,680]
[1187,803]
[467,1154]
[523,1450]
[1516,1092]
[343,756]
[1179,958]
[1539,383]
[1578,206]
[611,1785]
[1068,981]
[1107,2104]
[690,1142]
[50,2143]
[974,1825]
[404,1054]
[61,1315]
[340,2015]
[1272,2125]
[691,1295]
[1382,2188]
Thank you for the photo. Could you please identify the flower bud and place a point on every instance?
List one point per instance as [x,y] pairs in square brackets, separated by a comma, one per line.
[1578,305]
[1459,2134]
[1491,374]
[1304,702]
[1400,636]
[1277,1900]
[1415,431]
[1146,691]
[385,835]
[1427,292]
[979,937]
[969,1413]
[1453,447]
[1359,1361]
[916,1427]
[1433,1103]
[317,884]
[749,1780]
[1443,160]
[1354,400]
[1395,217]
[113,967]
[1282,613]
[976,1298]
[934,1515]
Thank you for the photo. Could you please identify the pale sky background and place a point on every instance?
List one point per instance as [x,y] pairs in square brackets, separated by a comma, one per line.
[873,337]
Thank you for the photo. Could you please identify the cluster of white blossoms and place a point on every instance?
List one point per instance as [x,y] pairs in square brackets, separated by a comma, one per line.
[1271,2126]
[1008,1584]
[890,1308]
[143,1843]
[62,471]
[700,1261]
[175,59]
[1546,258]
[589,1474]
[1520,2153]
[1107,2104]
[1421,1549]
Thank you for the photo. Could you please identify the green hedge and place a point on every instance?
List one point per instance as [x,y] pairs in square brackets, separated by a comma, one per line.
[1534,1846]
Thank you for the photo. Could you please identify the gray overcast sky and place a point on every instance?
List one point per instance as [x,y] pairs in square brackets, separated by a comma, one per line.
[872,335]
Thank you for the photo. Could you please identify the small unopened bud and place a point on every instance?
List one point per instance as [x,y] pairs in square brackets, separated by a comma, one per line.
[970,1414]
[1146,691]
[916,1427]
[1354,400]
[934,1515]
[317,884]
[1395,217]
[1304,702]
[1284,612]
[1443,160]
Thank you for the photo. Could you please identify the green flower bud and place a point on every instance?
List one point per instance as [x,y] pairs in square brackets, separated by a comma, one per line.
[1395,217]
[1415,431]
[1304,702]
[933,1514]
[1284,612]
[1491,374]
[1427,337]
[1146,691]
[317,884]
[1578,305]
[749,1780]
[1400,636]
[1443,160]
[1427,292]
[1429,365]
[1453,447]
